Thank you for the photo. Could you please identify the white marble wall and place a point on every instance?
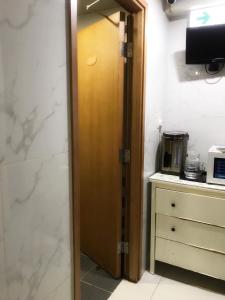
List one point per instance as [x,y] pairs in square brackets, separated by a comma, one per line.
[35,249]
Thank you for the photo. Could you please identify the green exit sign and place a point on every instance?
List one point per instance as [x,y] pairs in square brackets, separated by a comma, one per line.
[207,16]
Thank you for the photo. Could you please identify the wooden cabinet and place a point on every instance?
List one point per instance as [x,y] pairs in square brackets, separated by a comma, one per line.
[188,225]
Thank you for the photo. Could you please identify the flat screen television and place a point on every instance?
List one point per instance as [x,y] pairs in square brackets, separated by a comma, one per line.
[205,45]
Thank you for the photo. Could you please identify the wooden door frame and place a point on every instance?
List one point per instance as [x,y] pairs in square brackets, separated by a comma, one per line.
[134,266]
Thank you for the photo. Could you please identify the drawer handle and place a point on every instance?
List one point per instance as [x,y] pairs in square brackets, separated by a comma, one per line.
[173,229]
[173,205]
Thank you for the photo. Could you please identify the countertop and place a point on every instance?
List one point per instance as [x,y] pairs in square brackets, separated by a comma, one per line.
[157,177]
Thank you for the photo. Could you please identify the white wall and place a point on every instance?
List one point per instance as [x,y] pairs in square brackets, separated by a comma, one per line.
[157,47]
[192,102]
[157,40]
[183,97]
[35,255]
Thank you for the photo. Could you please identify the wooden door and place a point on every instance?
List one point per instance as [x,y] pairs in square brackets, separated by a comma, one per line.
[101,97]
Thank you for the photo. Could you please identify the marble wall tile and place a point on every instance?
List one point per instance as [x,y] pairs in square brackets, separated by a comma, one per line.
[37,219]
[3,290]
[1,214]
[2,121]
[35,250]
[34,98]
[63,291]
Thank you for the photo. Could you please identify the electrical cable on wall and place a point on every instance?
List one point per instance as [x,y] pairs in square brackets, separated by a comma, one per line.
[220,69]
[214,82]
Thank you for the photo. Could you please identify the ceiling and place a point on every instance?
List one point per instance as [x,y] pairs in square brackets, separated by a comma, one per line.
[101,5]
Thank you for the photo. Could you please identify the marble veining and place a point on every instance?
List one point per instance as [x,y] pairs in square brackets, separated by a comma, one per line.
[22,131]
[28,129]
[35,229]
[33,97]
[36,180]
[27,7]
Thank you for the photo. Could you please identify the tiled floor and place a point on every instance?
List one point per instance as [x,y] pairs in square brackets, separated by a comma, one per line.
[182,285]
[96,284]
[155,287]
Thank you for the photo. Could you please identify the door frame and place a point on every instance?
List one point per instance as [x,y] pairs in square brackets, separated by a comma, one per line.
[138,8]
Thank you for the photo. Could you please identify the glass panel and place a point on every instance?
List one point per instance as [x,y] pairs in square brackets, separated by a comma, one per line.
[219,168]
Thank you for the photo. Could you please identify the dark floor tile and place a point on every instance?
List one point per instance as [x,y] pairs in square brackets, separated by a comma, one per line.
[86,265]
[101,279]
[89,292]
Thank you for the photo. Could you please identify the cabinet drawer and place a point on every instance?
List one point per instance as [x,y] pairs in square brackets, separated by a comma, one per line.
[191,206]
[191,258]
[191,233]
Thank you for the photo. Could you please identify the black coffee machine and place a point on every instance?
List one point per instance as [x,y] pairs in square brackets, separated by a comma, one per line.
[174,152]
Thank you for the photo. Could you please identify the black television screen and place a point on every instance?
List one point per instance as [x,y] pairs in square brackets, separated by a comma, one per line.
[205,45]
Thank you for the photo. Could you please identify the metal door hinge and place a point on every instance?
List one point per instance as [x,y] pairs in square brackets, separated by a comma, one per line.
[123,248]
[127,50]
[125,156]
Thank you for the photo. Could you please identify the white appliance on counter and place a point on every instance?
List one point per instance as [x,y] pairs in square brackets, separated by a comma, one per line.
[216,165]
